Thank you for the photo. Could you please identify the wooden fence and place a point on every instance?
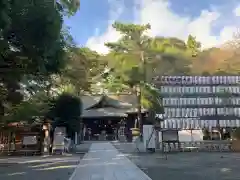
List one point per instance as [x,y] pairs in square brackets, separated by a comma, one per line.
[199,146]
[20,141]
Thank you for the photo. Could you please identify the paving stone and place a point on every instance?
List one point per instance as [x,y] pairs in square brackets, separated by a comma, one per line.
[105,162]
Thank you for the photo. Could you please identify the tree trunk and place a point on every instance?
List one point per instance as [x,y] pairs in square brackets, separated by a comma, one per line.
[48,89]
[139,110]
[140,118]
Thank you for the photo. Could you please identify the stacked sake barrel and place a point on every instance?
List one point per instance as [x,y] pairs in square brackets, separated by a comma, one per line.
[194,123]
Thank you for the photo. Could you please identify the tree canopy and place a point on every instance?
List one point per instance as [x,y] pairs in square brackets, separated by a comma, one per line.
[32,46]
[66,111]
[40,62]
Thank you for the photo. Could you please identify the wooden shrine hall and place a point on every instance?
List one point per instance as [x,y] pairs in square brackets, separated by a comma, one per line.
[105,113]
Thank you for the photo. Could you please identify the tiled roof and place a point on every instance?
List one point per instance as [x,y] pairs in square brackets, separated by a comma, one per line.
[112,105]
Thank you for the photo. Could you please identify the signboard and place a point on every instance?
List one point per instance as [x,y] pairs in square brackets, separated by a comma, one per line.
[29,140]
[169,135]
[59,137]
[149,137]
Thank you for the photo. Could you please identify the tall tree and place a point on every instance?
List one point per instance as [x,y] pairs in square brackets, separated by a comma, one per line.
[68,116]
[70,7]
[32,45]
[174,57]
[83,68]
[131,49]
[193,45]
[231,63]
[136,58]
[132,53]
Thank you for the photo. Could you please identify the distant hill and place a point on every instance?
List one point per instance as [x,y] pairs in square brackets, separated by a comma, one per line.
[221,61]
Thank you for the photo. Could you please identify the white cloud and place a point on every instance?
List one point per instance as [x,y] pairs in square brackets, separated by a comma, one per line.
[237,11]
[97,41]
[165,22]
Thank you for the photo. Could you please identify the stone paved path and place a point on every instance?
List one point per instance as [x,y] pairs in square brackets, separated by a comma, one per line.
[105,162]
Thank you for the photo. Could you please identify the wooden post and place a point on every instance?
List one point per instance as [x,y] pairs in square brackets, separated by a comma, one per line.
[157,130]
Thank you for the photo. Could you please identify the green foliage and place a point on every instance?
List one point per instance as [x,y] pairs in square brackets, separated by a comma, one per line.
[133,39]
[113,84]
[193,45]
[169,57]
[136,59]
[82,69]
[37,51]
[34,38]
[32,45]
[151,99]
[66,111]
[128,52]
[37,106]
[131,57]
[66,88]
[67,107]
[69,7]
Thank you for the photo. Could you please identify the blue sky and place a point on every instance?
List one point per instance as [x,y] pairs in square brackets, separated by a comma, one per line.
[95,17]
[92,14]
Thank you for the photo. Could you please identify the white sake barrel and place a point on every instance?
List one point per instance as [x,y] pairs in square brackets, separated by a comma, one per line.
[201,124]
[181,124]
[233,123]
[185,123]
[174,124]
[210,124]
[162,124]
[194,122]
[178,124]
[221,124]
[188,122]
[237,123]
[165,124]
[170,124]
[228,123]
[224,123]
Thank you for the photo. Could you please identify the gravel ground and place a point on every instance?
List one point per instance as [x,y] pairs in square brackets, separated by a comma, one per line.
[184,166]
[42,168]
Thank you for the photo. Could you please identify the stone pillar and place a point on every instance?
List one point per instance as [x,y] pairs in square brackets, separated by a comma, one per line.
[46,140]
[76,138]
